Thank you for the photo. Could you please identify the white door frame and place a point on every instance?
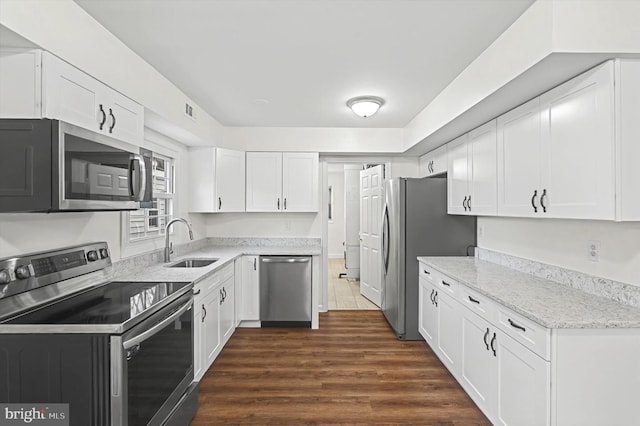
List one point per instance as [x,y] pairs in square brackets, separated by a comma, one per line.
[323,300]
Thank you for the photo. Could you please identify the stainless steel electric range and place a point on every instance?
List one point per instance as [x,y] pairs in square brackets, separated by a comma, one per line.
[119,353]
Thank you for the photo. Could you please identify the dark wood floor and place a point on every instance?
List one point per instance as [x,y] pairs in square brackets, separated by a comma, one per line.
[351,371]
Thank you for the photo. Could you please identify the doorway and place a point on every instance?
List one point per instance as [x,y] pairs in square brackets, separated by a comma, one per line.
[343,237]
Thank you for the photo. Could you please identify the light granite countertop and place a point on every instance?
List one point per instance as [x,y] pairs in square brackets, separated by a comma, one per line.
[224,254]
[546,302]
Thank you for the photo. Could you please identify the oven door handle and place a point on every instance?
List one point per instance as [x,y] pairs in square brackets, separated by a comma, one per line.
[156,328]
[138,193]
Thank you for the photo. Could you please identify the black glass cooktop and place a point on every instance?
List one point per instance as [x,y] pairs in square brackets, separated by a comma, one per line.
[112,303]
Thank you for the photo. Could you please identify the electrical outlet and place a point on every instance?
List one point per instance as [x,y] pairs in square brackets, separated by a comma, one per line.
[593,250]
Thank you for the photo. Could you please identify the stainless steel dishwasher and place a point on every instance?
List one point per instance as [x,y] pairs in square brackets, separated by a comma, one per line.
[285,291]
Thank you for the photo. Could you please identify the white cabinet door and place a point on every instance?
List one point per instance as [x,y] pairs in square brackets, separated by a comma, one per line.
[250,290]
[434,162]
[230,180]
[300,182]
[482,172]
[578,149]
[73,96]
[218,180]
[125,118]
[427,313]
[448,334]
[227,306]
[519,172]
[523,392]
[211,327]
[198,337]
[264,182]
[478,365]
[458,176]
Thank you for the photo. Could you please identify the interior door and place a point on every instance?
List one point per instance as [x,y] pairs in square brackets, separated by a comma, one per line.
[352,219]
[371,204]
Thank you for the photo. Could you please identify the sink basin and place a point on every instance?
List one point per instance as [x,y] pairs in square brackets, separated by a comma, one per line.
[192,263]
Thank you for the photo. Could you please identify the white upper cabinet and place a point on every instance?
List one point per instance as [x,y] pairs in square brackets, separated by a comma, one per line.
[434,162]
[556,153]
[518,160]
[264,181]
[282,182]
[217,180]
[37,84]
[472,172]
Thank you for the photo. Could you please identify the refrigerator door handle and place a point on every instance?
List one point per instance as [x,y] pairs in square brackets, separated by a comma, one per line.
[385,240]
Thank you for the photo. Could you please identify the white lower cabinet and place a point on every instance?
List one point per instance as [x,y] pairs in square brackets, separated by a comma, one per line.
[250,290]
[214,317]
[509,382]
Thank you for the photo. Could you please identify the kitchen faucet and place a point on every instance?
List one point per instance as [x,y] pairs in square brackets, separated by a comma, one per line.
[168,247]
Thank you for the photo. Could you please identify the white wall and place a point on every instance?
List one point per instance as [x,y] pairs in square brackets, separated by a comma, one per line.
[262,224]
[22,233]
[564,243]
[336,228]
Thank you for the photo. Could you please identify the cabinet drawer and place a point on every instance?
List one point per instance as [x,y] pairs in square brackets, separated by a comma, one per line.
[209,284]
[478,303]
[428,273]
[437,279]
[533,336]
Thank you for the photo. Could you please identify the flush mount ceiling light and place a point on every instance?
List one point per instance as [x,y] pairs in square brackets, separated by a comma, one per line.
[365,106]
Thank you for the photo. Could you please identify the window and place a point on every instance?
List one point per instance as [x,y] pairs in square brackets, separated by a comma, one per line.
[150,220]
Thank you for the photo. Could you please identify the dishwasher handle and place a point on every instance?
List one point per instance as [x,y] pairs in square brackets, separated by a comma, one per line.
[286,260]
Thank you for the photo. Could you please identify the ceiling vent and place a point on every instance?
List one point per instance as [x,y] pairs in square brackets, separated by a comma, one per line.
[189,111]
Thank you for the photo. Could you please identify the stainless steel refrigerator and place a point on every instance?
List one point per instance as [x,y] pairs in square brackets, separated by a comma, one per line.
[416,223]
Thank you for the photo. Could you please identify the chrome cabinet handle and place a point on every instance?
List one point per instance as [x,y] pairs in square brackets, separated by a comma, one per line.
[219,203]
[195,293]
[515,325]
[471,299]
[542,197]
[533,201]
[285,203]
[278,203]
[469,202]
[426,272]
[205,312]
[221,298]
[104,117]
[493,341]
[464,203]
[431,296]
[486,334]
[113,121]
[254,263]
[446,283]
[435,298]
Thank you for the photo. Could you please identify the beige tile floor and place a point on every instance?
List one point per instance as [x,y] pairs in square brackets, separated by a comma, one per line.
[343,293]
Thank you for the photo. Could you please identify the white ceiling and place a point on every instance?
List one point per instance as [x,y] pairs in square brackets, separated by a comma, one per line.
[294,63]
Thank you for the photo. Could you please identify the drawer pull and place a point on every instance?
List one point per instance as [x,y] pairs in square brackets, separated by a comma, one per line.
[514,325]
[471,299]
[485,339]
[431,297]
[493,340]
[195,293]
[426,272]
[446,283]
[435,299]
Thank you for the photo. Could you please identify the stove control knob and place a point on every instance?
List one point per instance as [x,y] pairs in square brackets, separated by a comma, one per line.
[22,272]
[104,253]
[5,276]
[92,256]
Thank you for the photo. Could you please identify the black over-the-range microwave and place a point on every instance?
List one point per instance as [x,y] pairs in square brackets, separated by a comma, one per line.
[52,166]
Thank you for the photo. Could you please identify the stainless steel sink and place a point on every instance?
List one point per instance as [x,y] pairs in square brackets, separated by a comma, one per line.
[192,263]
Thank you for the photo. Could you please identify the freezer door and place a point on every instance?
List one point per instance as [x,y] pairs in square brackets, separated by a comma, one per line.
[392,290]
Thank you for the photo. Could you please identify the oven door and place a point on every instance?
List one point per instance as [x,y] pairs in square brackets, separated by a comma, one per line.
[96,172]
[152,366]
